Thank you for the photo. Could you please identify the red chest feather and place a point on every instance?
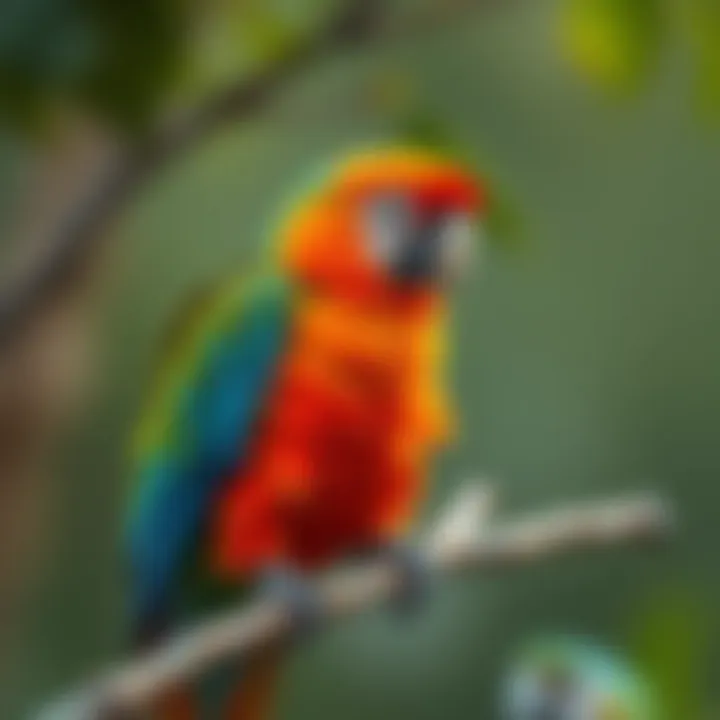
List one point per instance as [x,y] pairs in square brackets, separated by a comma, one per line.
[337,461]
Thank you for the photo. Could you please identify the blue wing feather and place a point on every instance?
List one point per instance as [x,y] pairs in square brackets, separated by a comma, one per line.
[206,435]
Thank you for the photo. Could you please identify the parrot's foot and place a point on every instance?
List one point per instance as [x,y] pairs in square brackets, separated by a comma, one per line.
[415,577]
[297,595]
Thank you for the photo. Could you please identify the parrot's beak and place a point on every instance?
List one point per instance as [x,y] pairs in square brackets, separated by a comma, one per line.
[421,261]
[438,252]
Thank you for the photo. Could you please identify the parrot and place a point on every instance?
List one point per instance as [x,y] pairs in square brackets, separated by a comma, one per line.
[295,411]
[571,678]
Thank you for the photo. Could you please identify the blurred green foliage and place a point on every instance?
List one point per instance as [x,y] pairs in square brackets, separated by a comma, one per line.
[115,58]
[122,59]
[232,39]
[671,641]
[614,42]
[702,19]
[618,44]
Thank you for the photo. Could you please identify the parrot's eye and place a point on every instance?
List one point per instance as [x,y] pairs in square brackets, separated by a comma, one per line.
[417,245]
[389,221]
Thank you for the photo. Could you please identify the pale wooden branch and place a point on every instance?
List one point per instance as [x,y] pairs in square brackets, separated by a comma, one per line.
[454,544]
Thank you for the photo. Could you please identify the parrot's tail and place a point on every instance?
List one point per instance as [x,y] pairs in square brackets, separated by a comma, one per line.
[253,697]
[238,690]
[179,703]
[245,693]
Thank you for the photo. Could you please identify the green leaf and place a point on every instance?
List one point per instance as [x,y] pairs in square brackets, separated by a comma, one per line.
[613,43]
[670,642]
[702,20]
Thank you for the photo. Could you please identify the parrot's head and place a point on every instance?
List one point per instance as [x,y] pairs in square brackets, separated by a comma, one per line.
[565,678]
[390,222]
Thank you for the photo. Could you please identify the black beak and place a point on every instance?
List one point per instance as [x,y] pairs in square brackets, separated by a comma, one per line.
[420,262]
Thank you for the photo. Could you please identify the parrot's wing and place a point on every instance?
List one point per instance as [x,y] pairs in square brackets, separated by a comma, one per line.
[199,419]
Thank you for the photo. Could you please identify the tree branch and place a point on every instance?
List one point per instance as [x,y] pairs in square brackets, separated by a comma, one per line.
[458,542]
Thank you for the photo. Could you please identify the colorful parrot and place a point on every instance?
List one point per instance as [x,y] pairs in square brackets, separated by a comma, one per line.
[566,678]
[296,412]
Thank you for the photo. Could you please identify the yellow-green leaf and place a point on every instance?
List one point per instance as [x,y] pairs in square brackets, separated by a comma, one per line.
[613,43]
[670,642]
[702,19]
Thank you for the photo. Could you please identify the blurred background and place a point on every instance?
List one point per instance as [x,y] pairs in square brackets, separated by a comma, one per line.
[146,146]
